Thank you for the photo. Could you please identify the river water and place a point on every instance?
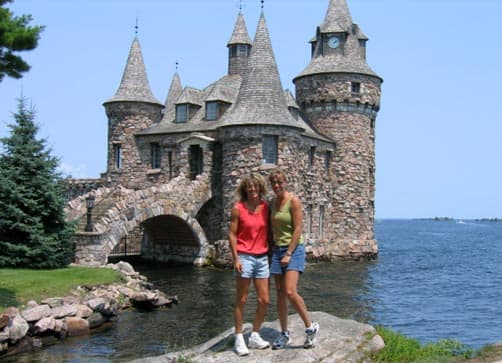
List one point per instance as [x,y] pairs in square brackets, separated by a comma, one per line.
[432,280]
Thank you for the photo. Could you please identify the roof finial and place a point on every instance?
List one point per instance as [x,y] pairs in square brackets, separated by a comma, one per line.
[177,64]
[240,6]
[136,26]
[262,1]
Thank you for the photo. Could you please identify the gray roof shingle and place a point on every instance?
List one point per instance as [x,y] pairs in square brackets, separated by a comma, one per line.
[174,92]
[240,34]
[134,85]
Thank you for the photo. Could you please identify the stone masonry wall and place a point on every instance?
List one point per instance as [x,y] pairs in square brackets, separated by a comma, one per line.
[315,185]
[124,120]
[348,118]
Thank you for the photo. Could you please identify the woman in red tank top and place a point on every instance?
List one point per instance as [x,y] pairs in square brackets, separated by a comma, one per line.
[248,236]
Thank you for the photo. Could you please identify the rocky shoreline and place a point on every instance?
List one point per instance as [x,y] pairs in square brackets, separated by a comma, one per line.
[79,313]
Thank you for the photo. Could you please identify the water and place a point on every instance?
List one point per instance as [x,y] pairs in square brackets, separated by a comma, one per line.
[432,280]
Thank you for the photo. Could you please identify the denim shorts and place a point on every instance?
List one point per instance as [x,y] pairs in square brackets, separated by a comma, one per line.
[296,262]
[253,267]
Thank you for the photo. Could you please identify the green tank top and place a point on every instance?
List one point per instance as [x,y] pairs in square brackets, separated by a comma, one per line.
[282,224]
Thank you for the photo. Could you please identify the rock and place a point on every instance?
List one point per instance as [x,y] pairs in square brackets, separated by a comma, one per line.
[44,325]
[63,311]
[4,320]
[126,268]
[4,335]
[53,301]
[96,303]
[96,319]
[222,254]
[76,326]
[339,340]
[31,304]
[83,311]
[36,313]
[18,327]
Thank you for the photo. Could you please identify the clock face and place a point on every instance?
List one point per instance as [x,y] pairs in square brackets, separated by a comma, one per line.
[333,42]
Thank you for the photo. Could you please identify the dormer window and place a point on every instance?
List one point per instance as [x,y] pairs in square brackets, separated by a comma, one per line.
[181,113]
[239,50]
[211,110]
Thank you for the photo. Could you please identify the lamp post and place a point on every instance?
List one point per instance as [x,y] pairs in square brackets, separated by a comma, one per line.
[89,202]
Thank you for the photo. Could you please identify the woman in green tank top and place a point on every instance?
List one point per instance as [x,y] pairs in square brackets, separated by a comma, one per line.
[288,259]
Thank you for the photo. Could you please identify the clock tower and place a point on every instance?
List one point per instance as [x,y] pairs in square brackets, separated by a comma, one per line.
[339,95]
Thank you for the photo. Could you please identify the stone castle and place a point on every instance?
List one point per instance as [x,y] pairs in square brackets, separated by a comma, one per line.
[323,137]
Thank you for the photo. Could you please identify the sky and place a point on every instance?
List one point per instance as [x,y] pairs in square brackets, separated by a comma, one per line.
[438,148]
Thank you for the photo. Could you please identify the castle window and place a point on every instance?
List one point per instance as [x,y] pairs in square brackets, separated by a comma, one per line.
[117,155]
[155,155]
[211,111]
[311,157]
[239,50]
[196,161]
[269,149]
[356,87]
[321,221]
[243,49]
[327,160]
[170,164]
[182,113]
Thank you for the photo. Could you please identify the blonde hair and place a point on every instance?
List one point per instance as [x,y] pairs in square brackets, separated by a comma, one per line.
[257,180]
[277,172]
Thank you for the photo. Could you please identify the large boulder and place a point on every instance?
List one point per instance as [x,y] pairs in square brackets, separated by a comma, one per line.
[339,340]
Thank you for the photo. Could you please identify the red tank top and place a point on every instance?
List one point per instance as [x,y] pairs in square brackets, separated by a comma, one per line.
[252,231]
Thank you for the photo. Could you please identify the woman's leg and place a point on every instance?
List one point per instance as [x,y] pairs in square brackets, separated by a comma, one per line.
[263,297]
[282,302]
[241,295]
[291,292]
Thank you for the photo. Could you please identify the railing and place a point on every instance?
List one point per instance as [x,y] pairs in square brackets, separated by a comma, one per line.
[123,248]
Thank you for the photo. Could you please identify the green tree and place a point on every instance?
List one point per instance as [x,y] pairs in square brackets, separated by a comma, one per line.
[33,230]
[15,35]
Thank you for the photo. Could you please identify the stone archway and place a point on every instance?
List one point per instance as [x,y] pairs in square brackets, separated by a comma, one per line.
[177,202]
[168,238]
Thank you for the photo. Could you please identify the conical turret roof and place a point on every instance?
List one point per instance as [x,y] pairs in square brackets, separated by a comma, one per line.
[174,92]
[337,18]
[240,34]
[261,98]
[352,59]
[134,86]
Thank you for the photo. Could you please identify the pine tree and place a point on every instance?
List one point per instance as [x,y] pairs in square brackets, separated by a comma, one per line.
[16,35]
[33,230]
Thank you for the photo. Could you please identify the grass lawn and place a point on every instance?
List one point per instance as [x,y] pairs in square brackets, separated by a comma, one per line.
[18,286]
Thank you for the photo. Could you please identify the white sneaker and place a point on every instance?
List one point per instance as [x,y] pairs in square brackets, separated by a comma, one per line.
[257,342]
[282,341]
[240,346]
[311,336]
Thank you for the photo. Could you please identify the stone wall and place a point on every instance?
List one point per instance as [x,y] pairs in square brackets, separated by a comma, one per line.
[349,119]
[125,119]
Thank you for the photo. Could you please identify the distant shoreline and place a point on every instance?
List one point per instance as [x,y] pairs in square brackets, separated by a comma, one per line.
[440,219]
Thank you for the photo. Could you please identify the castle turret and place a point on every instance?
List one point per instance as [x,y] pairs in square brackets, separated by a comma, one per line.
[174,92]
[239,47]
[340,96]
[132,108]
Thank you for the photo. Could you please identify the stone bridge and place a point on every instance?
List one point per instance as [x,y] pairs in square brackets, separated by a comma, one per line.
[163,216]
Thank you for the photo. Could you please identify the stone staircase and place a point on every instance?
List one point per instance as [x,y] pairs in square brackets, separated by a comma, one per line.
[99,209]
